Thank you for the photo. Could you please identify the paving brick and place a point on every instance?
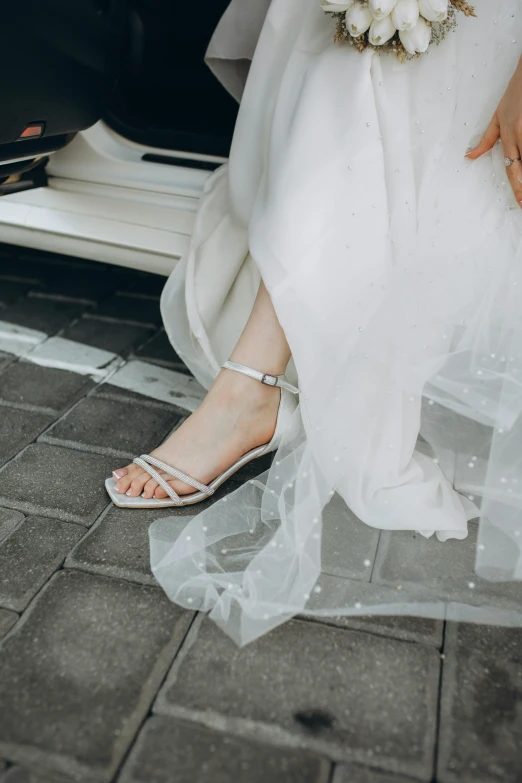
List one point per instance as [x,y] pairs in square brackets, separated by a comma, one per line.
[132,309]
[88,286]
[481,710]
[350,695]
[21,775]
[7,620]
[9,519]
[110,392]
[348,545]
[27,270]
[11,291]
[29,557]
[58,483]
[160,351]
[80,673]
[350,773]
[108,427]
[25,383]
[374,609]
[168,750]
[5,359]
[147,285]
[441,570]
[18,428]
[118,544]
[156,383]
[114,337]
[44,315]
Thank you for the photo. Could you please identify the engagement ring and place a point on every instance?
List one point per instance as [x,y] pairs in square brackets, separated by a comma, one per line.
[509,161]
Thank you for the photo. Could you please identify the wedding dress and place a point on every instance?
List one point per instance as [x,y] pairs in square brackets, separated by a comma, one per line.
[395,268]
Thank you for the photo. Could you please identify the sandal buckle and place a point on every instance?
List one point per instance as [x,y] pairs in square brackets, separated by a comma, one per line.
[269,380]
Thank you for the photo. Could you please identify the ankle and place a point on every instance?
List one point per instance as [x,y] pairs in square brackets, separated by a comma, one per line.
[237,390]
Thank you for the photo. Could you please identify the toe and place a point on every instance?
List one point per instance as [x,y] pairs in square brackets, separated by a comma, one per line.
[137,484]
[149,489]
[123,484]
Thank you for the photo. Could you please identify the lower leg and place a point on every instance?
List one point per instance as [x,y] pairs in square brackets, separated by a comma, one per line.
[263,344]
[238,413]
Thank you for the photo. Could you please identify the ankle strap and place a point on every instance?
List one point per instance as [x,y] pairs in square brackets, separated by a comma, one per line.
[269,380]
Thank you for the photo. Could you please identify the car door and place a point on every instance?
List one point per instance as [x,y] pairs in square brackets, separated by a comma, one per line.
[60,61]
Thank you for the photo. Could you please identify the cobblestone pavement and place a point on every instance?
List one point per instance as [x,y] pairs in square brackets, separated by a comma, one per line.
[102,679]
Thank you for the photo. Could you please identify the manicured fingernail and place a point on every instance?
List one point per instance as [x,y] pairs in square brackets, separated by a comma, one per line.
[118,473]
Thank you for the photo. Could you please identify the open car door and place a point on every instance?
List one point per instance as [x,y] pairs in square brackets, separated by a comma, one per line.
[60,62]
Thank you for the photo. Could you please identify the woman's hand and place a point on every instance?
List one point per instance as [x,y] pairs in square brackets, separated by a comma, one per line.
[507,125]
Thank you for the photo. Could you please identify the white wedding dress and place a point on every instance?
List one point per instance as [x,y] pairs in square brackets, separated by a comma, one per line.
[395,268]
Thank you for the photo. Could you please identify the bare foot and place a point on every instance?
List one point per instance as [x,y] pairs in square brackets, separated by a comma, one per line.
[237,415]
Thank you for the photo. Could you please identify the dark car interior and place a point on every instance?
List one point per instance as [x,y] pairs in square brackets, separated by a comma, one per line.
[138,64]
[166,96]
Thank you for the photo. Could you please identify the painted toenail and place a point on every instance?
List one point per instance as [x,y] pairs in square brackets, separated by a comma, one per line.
[117,474]
[129,492]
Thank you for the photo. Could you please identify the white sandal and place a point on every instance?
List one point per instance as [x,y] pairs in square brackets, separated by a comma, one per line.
[287,406]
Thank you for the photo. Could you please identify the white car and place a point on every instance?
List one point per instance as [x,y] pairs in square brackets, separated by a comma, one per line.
[110,124]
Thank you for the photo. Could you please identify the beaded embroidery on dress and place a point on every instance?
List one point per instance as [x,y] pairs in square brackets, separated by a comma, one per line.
[394,265]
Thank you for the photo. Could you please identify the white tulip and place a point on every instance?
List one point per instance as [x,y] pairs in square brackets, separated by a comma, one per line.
[358,19]
[434,10]
[381,8]
[381,30]
[405,14]
[416,40]
[337,6]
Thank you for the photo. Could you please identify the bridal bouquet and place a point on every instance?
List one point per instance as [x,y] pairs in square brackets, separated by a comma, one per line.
[405,27]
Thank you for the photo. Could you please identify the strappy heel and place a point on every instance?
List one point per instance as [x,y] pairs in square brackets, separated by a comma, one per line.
[287,406]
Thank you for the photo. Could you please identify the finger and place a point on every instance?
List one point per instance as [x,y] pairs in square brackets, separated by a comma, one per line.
[490,138]
[514,173]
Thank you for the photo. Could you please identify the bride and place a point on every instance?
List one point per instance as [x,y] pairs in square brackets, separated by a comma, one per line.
[363,243]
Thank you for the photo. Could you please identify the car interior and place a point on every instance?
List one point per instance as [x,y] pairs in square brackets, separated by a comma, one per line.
[137,64]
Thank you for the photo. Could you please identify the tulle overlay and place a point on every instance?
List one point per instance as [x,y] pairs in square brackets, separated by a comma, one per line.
[395,268]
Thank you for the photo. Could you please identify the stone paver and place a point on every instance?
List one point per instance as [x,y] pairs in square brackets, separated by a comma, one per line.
[169,750]
[131,309]
[369,699]
[88,286]
[146,285]
[20,267]
[84,662]
[348,545]
[7,620]
[108,427]
[160,351]
[481,710]
[18,428]
[55,482]
[409,629]
[11,291]
[29,557]
[74,691]
[440,570]
[118,544]
[20,775]
[44,315]
[9,519]
[5,359]
[28,384]
[116,338]
[349,773]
